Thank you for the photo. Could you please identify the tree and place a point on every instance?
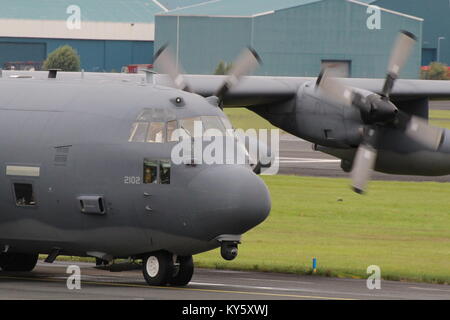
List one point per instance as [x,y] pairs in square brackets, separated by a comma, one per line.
[436,71]
[65,58]
[223,68]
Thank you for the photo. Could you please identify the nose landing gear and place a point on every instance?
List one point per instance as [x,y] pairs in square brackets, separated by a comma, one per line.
[163,268]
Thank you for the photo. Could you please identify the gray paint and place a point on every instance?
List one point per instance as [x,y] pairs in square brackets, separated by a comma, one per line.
[77,133]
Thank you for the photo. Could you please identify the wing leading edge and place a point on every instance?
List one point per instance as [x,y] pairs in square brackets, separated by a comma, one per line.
[260,90]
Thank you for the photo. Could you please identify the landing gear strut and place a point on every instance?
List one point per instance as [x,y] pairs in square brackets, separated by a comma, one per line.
[160,268]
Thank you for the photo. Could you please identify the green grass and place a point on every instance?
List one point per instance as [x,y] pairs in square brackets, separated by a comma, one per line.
[402,227]
[440,114]
[245,119]
[440,118]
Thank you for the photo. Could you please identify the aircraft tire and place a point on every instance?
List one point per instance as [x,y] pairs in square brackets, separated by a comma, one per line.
[157,268]
[14,261]
[185,272]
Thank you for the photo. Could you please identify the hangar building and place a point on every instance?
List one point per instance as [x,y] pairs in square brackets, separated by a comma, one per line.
[111,34]
[293,37]
[436,26]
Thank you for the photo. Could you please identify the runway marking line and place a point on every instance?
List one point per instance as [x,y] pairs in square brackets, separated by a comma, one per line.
[178,288]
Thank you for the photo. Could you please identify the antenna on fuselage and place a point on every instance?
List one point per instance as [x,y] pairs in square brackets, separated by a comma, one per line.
[52,73]
[148,75]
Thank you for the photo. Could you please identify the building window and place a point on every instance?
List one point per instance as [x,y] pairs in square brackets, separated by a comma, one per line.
[24,194]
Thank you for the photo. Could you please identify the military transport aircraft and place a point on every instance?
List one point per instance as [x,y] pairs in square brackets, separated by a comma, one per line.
[370,124]
[87,157]
[87,171]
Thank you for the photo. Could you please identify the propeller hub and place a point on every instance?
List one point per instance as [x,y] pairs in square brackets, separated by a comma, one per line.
[380,110]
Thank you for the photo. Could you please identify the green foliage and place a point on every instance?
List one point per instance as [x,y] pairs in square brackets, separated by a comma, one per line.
[437,71]
[223,68]
[65,58]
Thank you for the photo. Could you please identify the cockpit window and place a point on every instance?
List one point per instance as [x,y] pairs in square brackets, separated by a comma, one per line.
[138,132]
[226,123]
[213,122]
[188,125]
[156,132]
[160,131]
[171,127]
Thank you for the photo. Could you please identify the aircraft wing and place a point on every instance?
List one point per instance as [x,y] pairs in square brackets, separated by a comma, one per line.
[250,91]
[259,90]
[405,89]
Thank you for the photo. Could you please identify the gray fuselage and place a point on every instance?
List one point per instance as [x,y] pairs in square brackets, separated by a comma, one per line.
[89,195]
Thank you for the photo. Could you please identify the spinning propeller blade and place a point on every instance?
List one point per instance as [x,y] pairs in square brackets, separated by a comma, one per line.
[378,111]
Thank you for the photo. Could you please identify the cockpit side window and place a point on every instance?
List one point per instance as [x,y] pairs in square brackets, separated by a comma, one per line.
[156,171]
[164,171]
[150,171]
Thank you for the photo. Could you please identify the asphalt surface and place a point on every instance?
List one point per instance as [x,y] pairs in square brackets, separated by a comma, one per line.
[49,281]
[298,158]
[440,105]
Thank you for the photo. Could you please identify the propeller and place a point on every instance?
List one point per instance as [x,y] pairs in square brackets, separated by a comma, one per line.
[165,61]
[365,158]
[247,61]
[377,112]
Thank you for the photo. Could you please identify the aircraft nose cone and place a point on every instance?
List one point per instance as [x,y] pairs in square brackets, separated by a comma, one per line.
[232,201]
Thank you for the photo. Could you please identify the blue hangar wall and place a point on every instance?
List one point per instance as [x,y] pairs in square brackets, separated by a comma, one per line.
[436,24]
[95,55]
[294,41]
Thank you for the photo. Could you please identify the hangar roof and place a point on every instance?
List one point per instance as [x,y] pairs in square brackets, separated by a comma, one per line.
[247,8]
[91,10]
[237,7]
